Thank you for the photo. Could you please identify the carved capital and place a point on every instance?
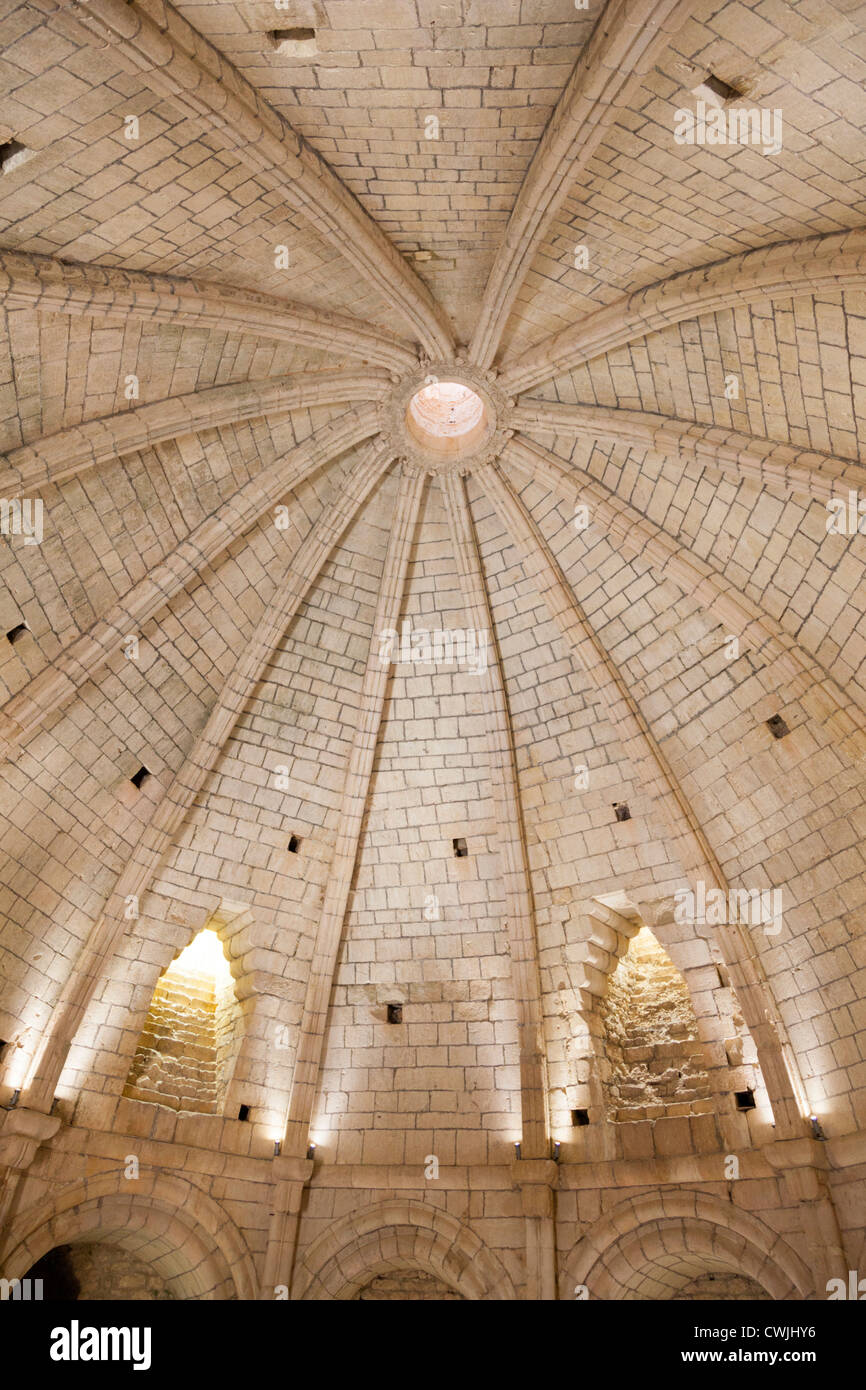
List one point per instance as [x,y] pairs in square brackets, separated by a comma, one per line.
[22,1131]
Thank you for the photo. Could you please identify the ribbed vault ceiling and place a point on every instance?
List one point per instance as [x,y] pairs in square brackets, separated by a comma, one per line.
[265,388]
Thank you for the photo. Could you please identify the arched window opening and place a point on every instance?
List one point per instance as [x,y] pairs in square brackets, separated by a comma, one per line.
[189,1044]
[654,1060]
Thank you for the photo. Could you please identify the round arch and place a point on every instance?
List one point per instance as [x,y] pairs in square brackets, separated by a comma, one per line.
[648,1247]
[165,1221]
[400,1235]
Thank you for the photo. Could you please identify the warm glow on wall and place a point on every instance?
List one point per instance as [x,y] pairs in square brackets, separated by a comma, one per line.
[204,956]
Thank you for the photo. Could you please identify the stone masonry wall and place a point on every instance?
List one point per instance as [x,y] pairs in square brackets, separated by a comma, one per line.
[406,1285]
[731,1288]
[175,1063]
[108,1272]
[651,1036]
[228,1032]
[97,1270]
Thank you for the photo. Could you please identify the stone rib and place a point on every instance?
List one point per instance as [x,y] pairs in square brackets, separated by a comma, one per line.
[73,451]
[85,656]
[167,819]
[639,538]
[29,281]
[629,36]
[179,63]
[789,269]
[511,836]
[662,798]
[738,455]
[356,789]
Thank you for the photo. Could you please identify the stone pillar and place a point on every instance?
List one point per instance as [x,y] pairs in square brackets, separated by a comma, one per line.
[537,1180]
[22,1131]
[776,1057]
[291,1178]
[802,1165]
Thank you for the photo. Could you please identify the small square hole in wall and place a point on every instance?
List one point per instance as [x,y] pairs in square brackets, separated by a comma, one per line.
[745,1099]
[395,1013]
[579,1118]
[460,850]
[14,633]
[13,153]
[294,844]
[777,726]
[621,811]
[714,91]
[139,778]
[243,1112]
[294,43]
